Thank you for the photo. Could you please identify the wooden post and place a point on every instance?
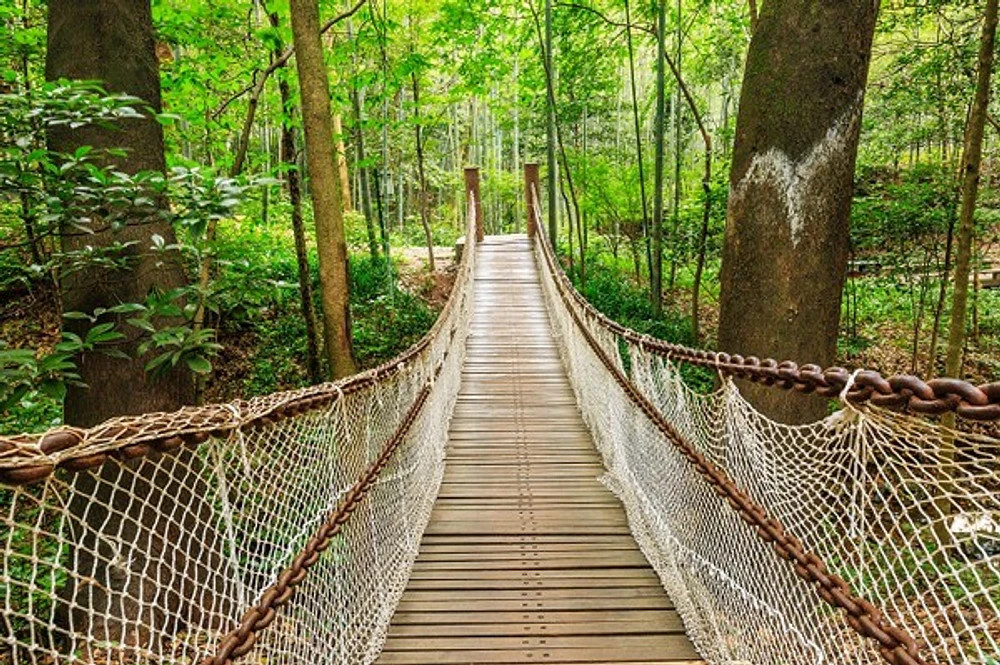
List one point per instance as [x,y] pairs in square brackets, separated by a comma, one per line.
[472,194]
[531,196]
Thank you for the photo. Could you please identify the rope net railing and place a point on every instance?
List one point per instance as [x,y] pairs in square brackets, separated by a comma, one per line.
[281,529]
[870,536]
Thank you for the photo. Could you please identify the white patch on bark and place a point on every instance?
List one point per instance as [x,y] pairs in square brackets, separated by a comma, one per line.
[792,180]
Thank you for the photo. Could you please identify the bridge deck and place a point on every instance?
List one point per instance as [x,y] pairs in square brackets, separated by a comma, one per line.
[527,558]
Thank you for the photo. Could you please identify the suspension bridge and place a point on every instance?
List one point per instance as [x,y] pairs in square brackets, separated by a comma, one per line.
[530,483]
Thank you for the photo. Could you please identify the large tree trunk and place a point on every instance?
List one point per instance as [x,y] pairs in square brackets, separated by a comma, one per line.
[325,187]
[162,577]
[791,185]
[98,41]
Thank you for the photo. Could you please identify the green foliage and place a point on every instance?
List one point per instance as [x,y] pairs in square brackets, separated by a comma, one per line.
[82,193]
[898,211]
[384,324]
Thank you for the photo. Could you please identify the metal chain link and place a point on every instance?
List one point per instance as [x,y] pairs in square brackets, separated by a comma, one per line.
[899,392]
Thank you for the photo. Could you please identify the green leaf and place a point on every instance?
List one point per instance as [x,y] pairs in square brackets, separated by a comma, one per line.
[199,364]
[53,388]
[144,324]
[158,364]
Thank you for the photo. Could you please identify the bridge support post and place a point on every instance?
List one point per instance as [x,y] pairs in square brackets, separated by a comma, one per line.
[472,194]
[531,197]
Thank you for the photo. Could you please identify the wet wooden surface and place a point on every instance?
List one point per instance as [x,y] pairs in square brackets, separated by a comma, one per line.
[527,557]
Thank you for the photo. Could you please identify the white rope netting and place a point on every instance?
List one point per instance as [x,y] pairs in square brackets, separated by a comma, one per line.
[154,560]
[905,510]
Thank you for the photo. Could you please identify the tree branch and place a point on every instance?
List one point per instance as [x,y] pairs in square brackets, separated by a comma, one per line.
[993,121]
[605,17]
[257,87]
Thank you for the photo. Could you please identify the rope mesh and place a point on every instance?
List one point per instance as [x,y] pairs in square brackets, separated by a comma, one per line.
[905,510]
[155,559]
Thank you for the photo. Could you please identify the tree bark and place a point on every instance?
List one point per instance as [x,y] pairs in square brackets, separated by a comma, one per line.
[165,576]
[94,41]
[791,185]
[328,212]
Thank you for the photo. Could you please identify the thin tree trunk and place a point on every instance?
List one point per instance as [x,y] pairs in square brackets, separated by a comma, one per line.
[325,189]
[550,122]
[675,250]
[294,182]
[638,142]
[425,213]
[569,227]
[971,163]
[301,255]
[942,295]
[575,203]
[706,216]
[359,147]
[656,281]
[345,176]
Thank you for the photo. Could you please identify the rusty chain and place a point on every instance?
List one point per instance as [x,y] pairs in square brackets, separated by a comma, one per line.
[241,640]
[899,392]
[895,645]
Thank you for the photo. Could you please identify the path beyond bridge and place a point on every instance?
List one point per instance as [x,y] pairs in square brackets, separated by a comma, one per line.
[528,558]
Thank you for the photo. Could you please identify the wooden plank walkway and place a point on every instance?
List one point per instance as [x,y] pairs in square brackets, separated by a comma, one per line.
[527,558]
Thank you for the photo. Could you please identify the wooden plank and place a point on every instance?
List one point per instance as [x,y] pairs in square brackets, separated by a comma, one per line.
[593,626]
[542,582]
[575,620]
[678,646]
[555,576]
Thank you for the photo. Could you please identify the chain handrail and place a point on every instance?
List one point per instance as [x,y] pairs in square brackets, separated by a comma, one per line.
[895,645]
[899,392]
